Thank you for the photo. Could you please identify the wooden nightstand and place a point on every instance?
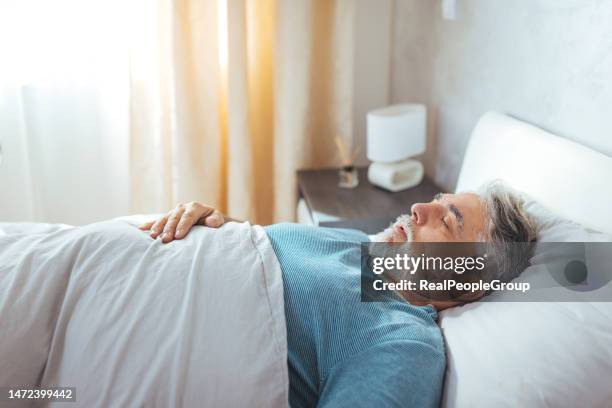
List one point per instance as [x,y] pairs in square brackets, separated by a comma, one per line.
[366,207]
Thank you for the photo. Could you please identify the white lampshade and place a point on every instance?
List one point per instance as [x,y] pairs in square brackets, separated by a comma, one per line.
[396,132]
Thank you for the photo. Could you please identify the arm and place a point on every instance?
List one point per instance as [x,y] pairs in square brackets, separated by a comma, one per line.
[177,222]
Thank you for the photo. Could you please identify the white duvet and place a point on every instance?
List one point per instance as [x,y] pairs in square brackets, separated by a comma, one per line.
[129,321]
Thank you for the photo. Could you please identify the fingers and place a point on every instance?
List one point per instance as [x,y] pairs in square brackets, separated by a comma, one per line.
[158,226]
[146,226]
[170,227]
[191,216]
[178,222]
[214,220]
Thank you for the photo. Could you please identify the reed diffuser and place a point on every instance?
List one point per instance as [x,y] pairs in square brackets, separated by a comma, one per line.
[348,177]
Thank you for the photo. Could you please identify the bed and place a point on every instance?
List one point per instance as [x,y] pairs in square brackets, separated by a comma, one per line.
[534,354]
[499,354]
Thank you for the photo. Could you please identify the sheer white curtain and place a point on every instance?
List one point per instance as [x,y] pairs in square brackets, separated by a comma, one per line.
[109,107]
[63,110]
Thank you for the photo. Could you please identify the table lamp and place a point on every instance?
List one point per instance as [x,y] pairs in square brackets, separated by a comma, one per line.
[395,134]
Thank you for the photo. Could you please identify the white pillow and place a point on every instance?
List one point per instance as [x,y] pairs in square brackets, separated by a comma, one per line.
[518,354]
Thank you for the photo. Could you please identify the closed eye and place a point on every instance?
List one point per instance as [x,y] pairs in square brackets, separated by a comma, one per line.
[445,224]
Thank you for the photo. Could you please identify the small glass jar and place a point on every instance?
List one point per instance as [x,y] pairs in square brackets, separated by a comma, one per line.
[348,177]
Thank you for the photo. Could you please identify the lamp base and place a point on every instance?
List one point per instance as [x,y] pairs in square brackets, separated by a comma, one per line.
[396,176]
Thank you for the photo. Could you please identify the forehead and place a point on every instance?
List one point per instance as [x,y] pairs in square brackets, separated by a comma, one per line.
[466,201]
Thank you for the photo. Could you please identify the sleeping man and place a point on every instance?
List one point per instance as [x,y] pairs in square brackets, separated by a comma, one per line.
[343,352]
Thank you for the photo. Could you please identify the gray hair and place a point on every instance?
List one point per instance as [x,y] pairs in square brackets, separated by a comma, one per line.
[510,231]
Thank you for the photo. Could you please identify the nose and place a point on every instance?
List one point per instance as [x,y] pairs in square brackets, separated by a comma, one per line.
[419,212]
[422,212]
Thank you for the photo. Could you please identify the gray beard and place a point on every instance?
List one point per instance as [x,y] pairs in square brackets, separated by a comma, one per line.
[403,220]
[384,247]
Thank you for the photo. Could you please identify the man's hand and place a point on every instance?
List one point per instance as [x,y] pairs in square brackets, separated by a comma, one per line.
[177,223]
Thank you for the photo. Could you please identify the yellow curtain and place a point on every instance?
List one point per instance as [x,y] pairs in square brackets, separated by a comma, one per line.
[231,97]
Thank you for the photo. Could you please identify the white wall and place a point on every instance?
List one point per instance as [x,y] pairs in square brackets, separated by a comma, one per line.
[548,62]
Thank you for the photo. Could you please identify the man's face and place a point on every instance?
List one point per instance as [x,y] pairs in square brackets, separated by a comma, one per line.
[447,218]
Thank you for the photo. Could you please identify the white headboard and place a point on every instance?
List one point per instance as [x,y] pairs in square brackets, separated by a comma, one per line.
[569,179]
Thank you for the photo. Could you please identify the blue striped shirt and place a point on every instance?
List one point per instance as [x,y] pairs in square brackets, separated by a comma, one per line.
[344,352]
